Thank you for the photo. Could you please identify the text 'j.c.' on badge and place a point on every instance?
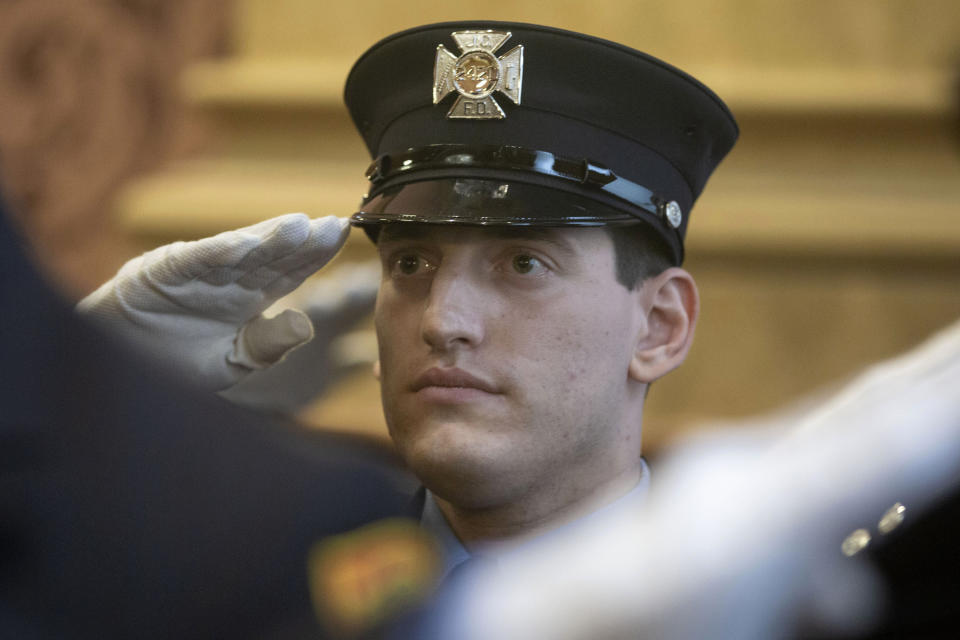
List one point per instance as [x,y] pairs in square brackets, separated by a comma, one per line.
[477,73]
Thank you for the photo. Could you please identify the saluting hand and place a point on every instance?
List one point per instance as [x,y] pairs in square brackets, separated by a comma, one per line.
[200,304]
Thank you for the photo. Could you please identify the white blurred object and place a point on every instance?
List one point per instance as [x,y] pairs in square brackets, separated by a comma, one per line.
[200,305]
[743,530]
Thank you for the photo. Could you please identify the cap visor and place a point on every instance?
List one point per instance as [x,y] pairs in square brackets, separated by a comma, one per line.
[473,201]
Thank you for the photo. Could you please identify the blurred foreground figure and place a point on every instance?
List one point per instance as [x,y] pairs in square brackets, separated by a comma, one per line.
[840,521]
[132,507]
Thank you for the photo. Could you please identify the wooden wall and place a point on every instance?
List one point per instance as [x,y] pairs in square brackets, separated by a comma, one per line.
[89,98]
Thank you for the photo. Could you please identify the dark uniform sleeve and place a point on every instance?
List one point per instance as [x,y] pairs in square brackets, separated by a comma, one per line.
[133,507]
[919,565]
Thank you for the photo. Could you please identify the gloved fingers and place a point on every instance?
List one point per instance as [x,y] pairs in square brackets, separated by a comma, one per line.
[227,256]
[289,237]
[284,283]
[326,236]
[264,341]
[277,279]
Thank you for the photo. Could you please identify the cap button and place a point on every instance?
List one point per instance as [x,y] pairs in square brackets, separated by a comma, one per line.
[673,214]
[892,518]
[855,542]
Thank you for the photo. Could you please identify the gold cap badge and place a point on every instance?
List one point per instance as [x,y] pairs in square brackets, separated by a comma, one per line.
[477,73]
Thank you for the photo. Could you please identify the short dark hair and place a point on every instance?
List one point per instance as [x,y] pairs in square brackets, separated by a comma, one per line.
[639,254]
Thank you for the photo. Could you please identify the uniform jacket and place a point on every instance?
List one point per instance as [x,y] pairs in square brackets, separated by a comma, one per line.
[133,507]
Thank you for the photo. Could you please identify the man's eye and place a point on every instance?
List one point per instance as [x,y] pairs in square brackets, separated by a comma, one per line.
[409,264]
[524,263]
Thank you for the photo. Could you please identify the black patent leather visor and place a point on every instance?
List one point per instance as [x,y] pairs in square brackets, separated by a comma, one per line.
[477,201]
[505,186]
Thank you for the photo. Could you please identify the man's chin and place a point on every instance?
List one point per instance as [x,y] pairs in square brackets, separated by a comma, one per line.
[460,463]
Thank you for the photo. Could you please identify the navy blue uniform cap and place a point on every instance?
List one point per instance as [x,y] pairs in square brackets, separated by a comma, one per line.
[555,129]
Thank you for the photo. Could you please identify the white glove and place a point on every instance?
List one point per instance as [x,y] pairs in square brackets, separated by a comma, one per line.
[199,304]
[335,303]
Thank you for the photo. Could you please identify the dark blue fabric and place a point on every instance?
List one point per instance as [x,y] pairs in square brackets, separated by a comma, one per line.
[132,507]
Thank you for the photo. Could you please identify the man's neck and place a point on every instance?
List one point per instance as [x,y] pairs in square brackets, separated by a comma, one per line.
[514,523]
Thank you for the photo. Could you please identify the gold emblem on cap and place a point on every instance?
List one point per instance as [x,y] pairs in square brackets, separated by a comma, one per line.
[477,73]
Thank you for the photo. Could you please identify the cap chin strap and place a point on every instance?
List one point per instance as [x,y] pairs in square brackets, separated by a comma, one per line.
[519,159]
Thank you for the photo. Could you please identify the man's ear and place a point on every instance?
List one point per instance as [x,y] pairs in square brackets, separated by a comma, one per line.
[670,305]
[376,369]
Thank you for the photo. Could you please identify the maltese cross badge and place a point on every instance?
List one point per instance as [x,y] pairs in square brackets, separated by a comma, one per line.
[477,73]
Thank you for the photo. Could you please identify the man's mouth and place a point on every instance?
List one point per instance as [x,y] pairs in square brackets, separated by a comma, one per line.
[452,384]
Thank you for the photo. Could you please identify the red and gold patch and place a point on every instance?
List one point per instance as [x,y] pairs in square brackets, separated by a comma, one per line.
[361,579]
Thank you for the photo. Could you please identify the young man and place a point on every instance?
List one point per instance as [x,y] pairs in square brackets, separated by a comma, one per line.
[529,203]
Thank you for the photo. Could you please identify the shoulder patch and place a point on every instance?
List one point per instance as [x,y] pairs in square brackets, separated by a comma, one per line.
[361,579]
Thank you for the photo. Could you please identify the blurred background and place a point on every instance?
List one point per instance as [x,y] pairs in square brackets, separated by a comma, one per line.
[829,238]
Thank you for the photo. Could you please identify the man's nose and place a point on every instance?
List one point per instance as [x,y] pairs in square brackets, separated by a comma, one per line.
[453,316]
